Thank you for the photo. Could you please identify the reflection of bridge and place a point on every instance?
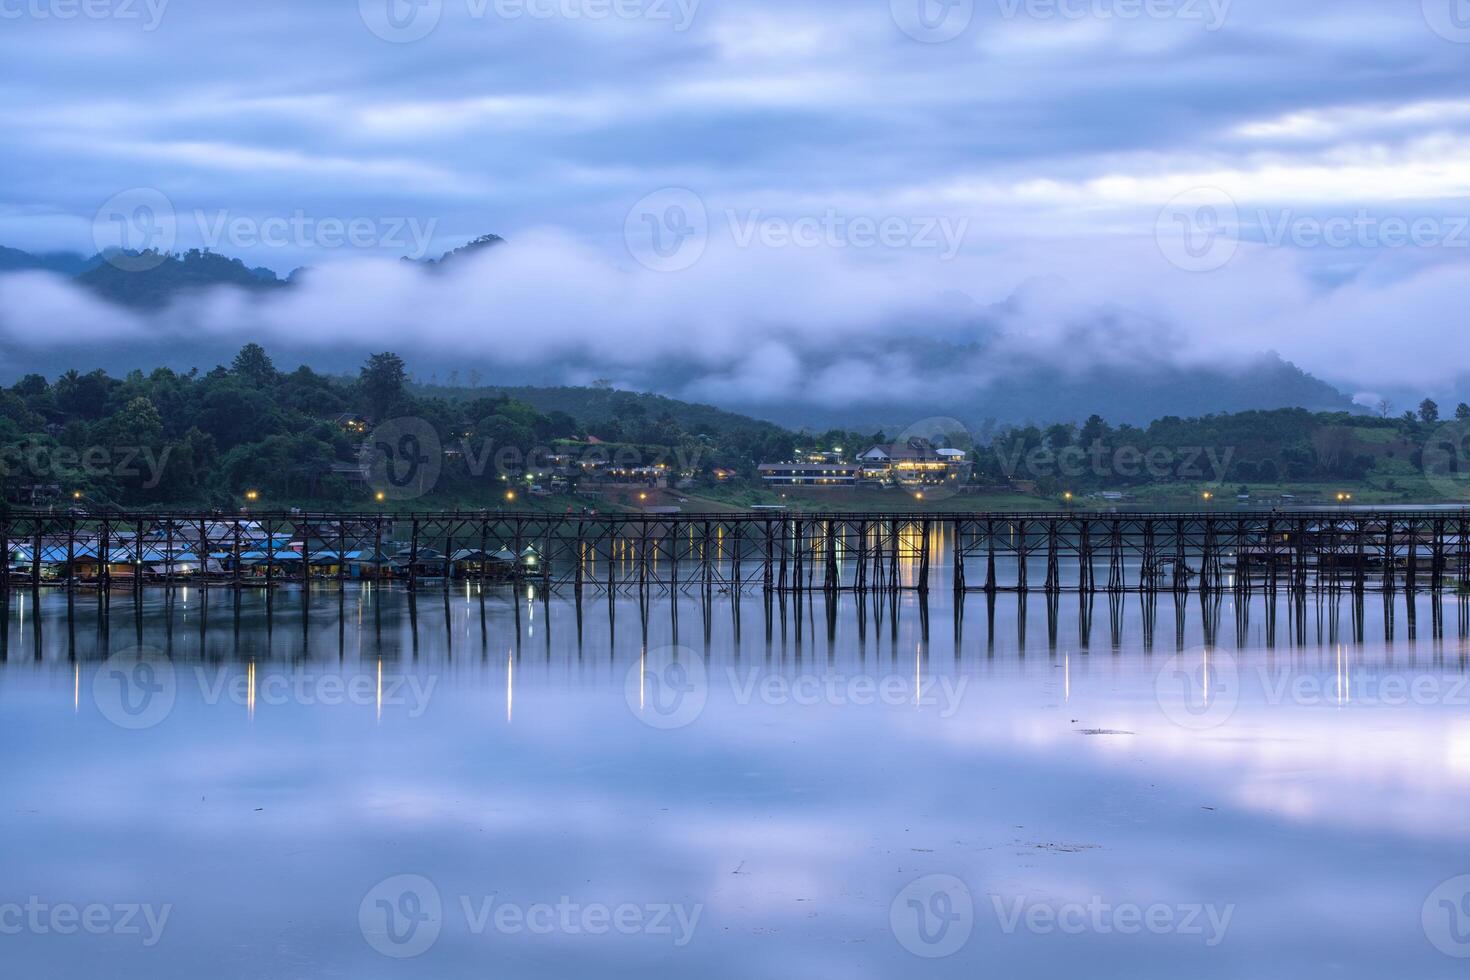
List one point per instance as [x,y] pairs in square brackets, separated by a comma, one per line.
[771,552]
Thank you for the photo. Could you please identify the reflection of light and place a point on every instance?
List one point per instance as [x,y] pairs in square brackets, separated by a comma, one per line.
[642,667]
[510,684]
[250,691]
[1206,682]
[918,684]
[76,688]
[1067,677]
[380,689]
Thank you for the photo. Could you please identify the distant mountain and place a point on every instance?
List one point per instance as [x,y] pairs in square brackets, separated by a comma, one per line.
[63,263]
[468,249]
[150,280]
[1031,390]
[600,403]
[960,365]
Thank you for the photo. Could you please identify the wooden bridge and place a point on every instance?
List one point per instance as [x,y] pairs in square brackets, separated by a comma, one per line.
[772,552]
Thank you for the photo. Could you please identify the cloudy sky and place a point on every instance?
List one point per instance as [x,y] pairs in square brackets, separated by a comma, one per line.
[1236,175]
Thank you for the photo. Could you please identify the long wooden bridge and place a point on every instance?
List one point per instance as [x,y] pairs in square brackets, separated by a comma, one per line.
[771,552]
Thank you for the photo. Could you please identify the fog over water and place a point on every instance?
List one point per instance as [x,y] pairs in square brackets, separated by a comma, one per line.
[1221,790]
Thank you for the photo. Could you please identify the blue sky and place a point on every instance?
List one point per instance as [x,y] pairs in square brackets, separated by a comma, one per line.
[1219,168]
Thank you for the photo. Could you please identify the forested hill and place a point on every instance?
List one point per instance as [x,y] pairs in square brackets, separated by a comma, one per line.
[605,410]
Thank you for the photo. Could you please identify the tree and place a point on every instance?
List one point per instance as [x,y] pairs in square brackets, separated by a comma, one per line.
[382,380]
[1429,411]
[254,365]
[1462,412]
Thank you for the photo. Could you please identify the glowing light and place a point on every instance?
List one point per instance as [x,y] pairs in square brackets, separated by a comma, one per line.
[380,496]
[252,495]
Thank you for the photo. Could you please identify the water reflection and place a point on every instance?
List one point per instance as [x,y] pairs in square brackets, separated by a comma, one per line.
[328,784]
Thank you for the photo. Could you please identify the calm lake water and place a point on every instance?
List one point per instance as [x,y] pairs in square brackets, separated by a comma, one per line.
[486,785]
